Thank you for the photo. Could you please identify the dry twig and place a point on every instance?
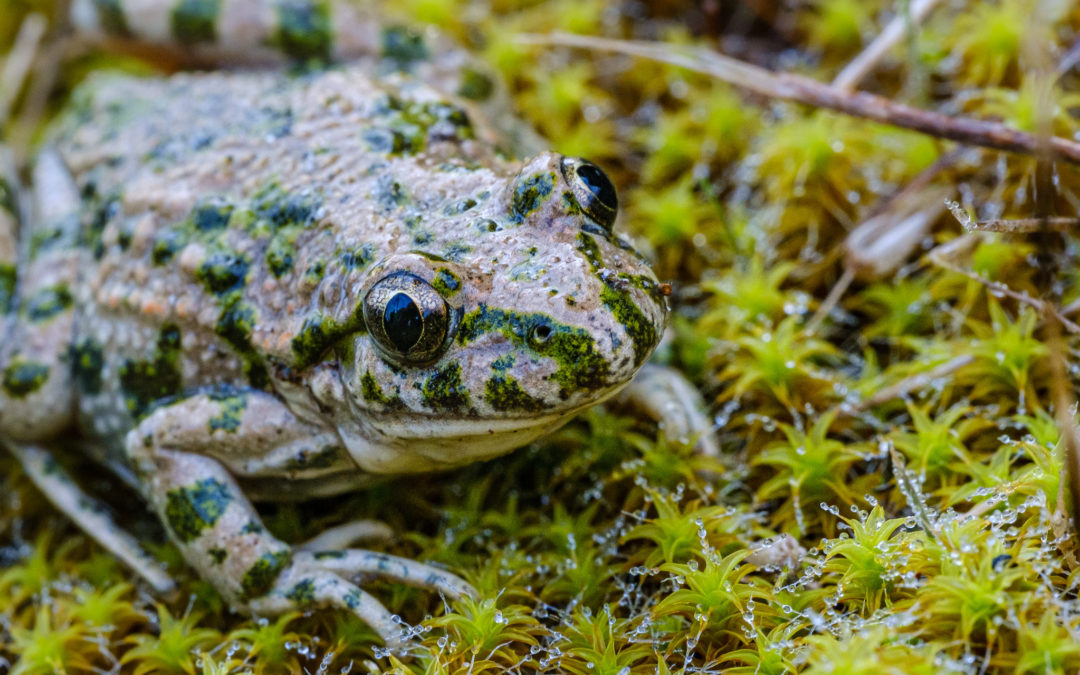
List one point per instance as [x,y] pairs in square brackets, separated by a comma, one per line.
[792,87]
[867,59]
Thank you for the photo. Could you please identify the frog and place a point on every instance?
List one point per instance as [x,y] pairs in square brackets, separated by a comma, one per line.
[325,257]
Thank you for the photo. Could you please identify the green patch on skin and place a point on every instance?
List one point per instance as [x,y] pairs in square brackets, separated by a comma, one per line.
[43,240]
[165,246]
[358,258]
[475,85]
[234,325]
[402,46]
[322,458]
[504,393]
[303,30]
[319,333]
[111,16]
[329,555]
[281,209]
[446,283]
[211,217]
[261,576]
[87,360]
[303,593]
[281,251]
[373,393]
[404,127]
[444,391]
[7,198]
[641,330]
[580,364]
[315,272]
[218,555]
[617,299]
[530,193]
[192,509]
[195,21]
[223,271]
[48,302]
[146,382]
[353,599]
[7,287]
[251,527]
[232,406]
[23,377]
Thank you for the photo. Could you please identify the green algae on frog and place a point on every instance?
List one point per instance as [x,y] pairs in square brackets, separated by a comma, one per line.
[268,285]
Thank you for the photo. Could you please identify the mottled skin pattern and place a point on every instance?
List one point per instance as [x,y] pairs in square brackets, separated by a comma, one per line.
[208,288]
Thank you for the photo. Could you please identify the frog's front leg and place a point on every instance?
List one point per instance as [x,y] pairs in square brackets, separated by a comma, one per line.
[667,397]
[180,453]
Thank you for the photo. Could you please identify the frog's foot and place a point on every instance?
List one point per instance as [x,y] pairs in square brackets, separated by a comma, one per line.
[180,454]
[360,564]
[667,397]
[88,514]
[36,383]
[340,536]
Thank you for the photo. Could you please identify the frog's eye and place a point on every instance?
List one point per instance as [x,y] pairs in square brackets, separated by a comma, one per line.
[408,319]
[592,189]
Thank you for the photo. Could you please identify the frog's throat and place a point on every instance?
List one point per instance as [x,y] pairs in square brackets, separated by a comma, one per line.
[419,443]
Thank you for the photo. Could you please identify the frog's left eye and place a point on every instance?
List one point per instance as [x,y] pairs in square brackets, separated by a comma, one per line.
[408,319]
[593,190]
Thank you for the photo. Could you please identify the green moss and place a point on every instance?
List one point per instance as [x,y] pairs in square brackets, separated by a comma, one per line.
[111,15]
[191,510]
[475,85]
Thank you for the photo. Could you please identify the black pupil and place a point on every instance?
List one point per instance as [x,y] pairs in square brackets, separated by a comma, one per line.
[599,184]
[403,322]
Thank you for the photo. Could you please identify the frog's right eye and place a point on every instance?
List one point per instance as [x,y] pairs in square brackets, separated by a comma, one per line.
[592,189]
[408,319]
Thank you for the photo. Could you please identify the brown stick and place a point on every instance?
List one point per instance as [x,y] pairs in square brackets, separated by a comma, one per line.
[791,87]
[1026,225]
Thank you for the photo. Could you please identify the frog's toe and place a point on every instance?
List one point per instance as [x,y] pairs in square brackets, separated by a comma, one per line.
[668,397]
[306,585]
[353,563]
[343,535]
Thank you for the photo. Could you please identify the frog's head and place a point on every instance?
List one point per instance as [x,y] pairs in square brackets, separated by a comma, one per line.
[522,311]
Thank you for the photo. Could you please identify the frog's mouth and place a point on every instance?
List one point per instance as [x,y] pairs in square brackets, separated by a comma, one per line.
[419,443]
